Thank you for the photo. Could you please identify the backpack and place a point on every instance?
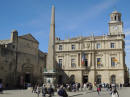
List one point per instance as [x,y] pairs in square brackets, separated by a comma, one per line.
[60,92]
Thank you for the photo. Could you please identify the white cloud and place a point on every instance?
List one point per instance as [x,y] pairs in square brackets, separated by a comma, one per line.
[88,14]
[127,31]
[127,41]
[99,8]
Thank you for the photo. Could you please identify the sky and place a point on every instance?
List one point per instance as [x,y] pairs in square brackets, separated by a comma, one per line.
[72,18]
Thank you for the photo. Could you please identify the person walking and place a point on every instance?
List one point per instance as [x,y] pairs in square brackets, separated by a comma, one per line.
[98,90]
[50,91]
[38,90]
[85,86]
[115,93]
[1,88]
[44,90]
[62,92]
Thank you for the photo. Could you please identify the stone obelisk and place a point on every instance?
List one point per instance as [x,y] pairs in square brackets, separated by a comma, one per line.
[50,75]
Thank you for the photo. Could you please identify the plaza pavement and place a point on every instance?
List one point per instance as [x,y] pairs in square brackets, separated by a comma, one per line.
[124,92]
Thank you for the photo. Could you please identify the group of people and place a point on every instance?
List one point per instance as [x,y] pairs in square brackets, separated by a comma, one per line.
[112,88]
[44,90]
[62,89]
[48,90]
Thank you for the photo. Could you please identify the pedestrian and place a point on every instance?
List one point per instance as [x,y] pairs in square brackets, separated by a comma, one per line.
[62,92]
[38,90]
[44,90]
[98,90]
[1,88]
[78,86]
[115,93]
[85,86]
[33,88]
[50,91]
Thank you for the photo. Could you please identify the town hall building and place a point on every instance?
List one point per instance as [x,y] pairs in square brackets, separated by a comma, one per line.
[99,59]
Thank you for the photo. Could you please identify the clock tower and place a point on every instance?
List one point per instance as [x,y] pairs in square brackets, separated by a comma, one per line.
[115,24]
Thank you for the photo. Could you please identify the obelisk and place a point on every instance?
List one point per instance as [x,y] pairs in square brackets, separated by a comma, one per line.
[50,75]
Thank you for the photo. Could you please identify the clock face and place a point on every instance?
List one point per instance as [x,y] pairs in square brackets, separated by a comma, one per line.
[115,27]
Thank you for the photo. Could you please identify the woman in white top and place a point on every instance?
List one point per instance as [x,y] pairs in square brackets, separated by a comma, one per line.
[115,93]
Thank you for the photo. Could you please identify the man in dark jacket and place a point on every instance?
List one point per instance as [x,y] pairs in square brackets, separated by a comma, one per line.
[44,90]
[50,91]
[62,92]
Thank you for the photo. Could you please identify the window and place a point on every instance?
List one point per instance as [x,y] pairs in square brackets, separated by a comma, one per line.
[98,62]
[98,79]
[73,63]
[10,66]
[98,45]
[73,47]
[113,61]
[13,46]
[4,52]
[86,62]
[40,69]
[60,62]
[113,79]
[60,47]
[112,45]
[115,17]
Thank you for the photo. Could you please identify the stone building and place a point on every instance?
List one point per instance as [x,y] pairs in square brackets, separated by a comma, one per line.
[99,59]
[21,61]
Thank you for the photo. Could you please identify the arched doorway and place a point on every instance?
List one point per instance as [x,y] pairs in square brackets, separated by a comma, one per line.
[71,79]
[98,79]
[60,79]
[85,79]
[113,79]
[27,72]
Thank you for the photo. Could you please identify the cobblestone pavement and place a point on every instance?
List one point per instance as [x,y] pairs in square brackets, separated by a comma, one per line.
[124,92]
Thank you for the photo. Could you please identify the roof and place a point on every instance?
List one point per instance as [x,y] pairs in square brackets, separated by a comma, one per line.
[116,12]
[86,38]
[28,37]
[4,42]
[42,54]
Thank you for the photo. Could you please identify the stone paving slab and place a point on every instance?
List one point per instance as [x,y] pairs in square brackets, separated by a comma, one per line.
[125,92]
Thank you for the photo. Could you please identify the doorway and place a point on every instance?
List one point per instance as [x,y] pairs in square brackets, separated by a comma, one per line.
[60,79]
[98,79]
[27,78]
[85,79]
[0,80]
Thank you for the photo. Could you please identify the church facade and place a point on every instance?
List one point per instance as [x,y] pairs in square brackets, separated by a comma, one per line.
[99,59]
[21,61]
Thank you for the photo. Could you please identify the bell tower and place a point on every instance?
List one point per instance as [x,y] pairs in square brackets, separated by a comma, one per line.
[115,24]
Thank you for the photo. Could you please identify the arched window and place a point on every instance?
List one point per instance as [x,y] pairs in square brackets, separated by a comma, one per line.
[115,18]
[98,79]
[72,78]
[113,79]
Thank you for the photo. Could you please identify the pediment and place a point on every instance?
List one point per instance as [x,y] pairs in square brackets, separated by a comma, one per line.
[29,37]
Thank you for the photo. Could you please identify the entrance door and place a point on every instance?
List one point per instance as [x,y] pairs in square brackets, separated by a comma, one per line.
[85,79]
[27,78]
[0,80]
[98,79]
[113,79]
[60,79]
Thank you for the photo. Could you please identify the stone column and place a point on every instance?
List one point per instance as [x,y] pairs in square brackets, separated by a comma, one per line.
[92,69]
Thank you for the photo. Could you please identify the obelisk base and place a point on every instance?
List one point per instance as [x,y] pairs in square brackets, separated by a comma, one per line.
[50,78]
